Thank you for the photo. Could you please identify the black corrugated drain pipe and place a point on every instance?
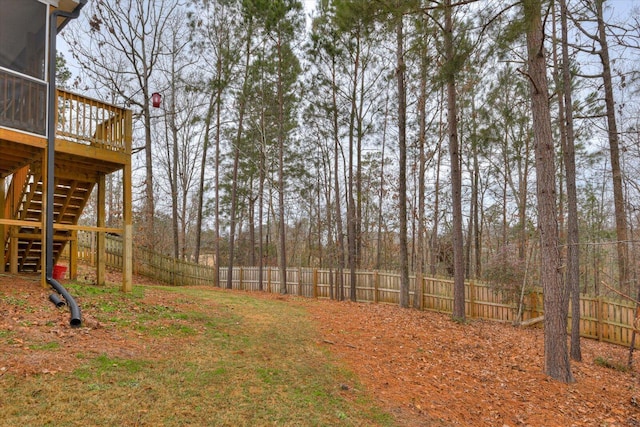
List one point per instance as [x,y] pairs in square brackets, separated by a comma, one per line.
[76,317]
[55,299]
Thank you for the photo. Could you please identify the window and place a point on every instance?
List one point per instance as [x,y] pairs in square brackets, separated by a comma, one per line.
[23,48]
[23,36]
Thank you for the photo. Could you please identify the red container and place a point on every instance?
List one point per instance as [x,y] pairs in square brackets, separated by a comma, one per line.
[59,271]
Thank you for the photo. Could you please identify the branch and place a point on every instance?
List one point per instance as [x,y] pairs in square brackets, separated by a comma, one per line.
[528,76]
[619,293]
[588,76]
[532,321]
[591,116]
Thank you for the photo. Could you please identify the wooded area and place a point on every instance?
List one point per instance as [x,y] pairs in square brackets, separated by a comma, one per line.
[478,139]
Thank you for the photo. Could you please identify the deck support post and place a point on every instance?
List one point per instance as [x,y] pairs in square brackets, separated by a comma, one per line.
[3,197]
[73,255]
[127,239]
[44,228]
[101,265]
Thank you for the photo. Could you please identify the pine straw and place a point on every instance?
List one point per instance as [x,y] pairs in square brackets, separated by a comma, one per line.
[428,368]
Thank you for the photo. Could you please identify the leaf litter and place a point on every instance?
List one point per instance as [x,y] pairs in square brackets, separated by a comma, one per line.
[422,367]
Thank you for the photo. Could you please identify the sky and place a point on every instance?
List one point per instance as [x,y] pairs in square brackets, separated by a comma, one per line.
[620,8]
[617,10]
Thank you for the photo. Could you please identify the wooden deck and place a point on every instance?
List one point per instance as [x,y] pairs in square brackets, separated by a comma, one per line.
[93,139]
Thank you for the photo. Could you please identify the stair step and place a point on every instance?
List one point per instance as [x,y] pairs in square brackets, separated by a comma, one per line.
[69,199]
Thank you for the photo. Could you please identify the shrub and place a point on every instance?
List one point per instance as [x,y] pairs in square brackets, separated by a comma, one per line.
[505,273]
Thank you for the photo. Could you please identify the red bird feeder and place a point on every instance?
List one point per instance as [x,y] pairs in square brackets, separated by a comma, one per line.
[156,98]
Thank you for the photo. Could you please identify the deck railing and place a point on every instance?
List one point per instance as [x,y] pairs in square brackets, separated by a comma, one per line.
[91,122]
[83,120]
[23,103]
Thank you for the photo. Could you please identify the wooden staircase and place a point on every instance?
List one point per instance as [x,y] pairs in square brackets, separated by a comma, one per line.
[24,201]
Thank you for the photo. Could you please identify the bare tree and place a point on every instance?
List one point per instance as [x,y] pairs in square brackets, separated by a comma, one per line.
[181,146]
[601,48]
[120,51]
[216,39]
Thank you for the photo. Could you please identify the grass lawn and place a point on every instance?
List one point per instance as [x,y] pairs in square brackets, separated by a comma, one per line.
[204,358]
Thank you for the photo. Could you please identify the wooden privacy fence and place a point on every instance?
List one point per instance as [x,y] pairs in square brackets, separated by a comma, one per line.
[601,318]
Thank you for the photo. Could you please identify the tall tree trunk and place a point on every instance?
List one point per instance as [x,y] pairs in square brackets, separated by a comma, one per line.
[434,240]
[252,227]
[475,200]
[523,187]
[402,179]
[456,176]
[216,220]
[573,240]
[379,245]
[331,245]
[474,232]
[358,198]
[201,185]
[614,149]
[281,208]
[351,204]
[556,300]
[262,178]
[149,205]
[422,141]
[319,224]
[171,117]
[336,168]
[236,158]
[234,197]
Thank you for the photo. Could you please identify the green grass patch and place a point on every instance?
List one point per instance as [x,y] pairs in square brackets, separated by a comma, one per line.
[15,301]
[226,359]
[171,330]
[108,304]
[22,302]
[53,345]
[86,290]
[611,364]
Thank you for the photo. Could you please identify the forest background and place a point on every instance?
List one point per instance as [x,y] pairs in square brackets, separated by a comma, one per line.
[383,134]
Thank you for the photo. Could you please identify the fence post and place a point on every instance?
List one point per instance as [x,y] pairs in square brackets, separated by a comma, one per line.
[269,279]
[300,281]
[173,271]
[533,298]
[241,278]
[421,291]
[3,197]
[600,317]
[315,283]
[92,244]
[73,255]
[472,311]
[376,285]
[13,245]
